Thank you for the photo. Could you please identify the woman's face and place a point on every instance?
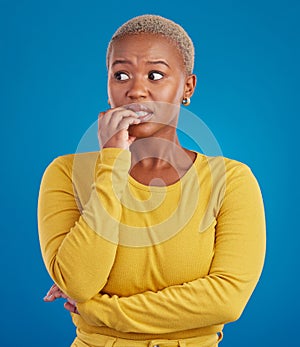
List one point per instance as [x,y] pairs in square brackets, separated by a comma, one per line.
[148,70]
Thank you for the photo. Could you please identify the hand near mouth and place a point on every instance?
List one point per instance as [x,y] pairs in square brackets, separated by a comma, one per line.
[143,112]
[113,127]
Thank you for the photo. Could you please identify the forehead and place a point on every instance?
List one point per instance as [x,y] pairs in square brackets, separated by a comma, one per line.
[145,47]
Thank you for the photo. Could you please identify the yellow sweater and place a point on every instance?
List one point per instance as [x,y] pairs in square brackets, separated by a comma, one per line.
[151,262]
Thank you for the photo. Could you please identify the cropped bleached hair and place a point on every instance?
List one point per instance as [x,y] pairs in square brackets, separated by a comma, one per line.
[157,25]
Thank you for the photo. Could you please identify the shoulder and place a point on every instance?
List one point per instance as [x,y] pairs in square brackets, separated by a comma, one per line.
[229,175]
[68,160]
[228,167]
[65,165]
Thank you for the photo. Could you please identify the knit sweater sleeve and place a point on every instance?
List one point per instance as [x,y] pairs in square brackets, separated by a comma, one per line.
[217,298]
[79,245]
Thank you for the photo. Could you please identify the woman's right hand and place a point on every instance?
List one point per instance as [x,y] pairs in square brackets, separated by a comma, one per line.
[56,293]
[113,128]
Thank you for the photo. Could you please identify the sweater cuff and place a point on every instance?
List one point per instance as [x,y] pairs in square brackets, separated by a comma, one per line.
[113,156]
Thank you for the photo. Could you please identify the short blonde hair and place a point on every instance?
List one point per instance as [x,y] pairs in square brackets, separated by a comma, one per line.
[157,25]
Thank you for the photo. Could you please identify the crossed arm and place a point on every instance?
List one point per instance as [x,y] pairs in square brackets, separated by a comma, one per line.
[218,298]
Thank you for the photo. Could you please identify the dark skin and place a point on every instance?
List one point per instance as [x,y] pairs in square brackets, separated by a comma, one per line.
[148,69]
[144,69]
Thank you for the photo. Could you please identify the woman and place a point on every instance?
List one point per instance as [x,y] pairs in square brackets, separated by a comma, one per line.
[150,243]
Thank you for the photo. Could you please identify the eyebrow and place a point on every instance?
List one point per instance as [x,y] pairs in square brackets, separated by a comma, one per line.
[121,61]
[150,62]
[153,62]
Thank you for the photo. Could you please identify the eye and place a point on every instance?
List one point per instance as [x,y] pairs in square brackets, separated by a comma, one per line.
[155,75]
[121,76]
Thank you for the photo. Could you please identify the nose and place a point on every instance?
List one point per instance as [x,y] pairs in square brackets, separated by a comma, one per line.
[137,89]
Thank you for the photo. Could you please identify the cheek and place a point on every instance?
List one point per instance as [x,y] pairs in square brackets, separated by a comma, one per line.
[172,95]
[114,96]
[112,99]
[173,92]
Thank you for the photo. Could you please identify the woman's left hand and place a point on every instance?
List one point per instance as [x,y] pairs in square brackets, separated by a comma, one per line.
[55,293]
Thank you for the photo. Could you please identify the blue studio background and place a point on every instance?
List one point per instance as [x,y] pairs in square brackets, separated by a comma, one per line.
[53,85]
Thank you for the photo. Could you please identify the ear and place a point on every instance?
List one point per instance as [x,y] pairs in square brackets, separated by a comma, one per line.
[190,85]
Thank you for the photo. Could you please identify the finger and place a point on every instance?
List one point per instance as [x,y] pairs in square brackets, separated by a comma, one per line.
[71,308]
[49,296]
[54,296]
[127,121]
[113,117]
[52,289]
[121,132]
[121,121]
[54,293]
[121,116]
[71,301]
[131,139]
[103,119]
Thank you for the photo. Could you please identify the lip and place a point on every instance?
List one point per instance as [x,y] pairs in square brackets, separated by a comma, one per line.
[143,112]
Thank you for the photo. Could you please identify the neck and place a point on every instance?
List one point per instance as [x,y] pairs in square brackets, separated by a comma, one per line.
[161,151]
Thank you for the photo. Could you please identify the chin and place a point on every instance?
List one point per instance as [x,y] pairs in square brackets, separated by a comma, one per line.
[146,129]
